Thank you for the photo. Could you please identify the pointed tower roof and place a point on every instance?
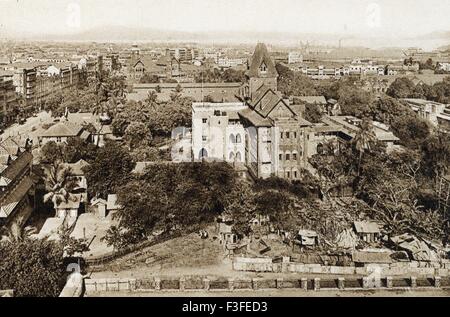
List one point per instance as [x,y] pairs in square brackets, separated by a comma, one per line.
[260,56]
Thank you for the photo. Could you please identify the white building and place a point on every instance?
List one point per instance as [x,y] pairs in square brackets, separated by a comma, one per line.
[429,110]
[217,132]
[295,57]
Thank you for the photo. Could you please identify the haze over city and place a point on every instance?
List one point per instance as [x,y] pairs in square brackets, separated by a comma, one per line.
[365,23]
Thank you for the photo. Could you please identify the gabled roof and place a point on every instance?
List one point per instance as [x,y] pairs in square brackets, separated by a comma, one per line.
[62,129]
[260,56]
[254,118]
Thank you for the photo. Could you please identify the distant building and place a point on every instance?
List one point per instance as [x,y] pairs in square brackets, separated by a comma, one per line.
[8,98]
[24,80]
[295,57]
[436,113]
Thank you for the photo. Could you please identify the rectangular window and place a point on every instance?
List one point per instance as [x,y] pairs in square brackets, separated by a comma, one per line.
[294,156]
[204,138]
[287,135]
[295,174]
[288,157]
[295,135]
[205,120]
[281,135]
[288,174]
[281,157]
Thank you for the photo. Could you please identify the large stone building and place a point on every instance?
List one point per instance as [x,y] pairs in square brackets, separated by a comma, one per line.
[217,131]
[8,99]
[275,138]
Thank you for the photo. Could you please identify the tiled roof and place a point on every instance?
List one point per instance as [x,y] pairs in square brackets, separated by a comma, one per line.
[13,198]
[255,119]
[62,129]
[16,167]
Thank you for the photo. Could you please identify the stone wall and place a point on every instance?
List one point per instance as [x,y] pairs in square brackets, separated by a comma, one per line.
[200,283]
[394,269]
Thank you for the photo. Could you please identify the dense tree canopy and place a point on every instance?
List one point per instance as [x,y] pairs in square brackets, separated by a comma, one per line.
[111,168]
[171,196]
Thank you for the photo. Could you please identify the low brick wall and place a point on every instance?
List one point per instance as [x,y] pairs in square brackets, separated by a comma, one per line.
[229,284]
[394,269]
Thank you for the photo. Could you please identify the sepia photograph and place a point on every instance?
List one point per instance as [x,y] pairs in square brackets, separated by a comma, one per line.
[224,153]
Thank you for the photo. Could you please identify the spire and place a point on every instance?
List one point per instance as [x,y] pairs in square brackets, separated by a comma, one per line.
[261,64]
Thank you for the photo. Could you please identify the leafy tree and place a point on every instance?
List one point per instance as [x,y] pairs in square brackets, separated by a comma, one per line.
[294,84]
[32,268]
[78,149]
[111,168]
[137,135]
[313,113]
[169,197]
[233,76]
[401,88]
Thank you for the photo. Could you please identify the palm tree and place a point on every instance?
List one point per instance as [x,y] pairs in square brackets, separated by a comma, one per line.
[59,185]
[363,140]
[151,97]
[16,233]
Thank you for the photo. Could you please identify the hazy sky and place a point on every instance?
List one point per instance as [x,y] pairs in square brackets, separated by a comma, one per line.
[368,17]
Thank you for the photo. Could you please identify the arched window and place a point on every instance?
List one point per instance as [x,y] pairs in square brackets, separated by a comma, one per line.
[203,153]
[231,156]
[238,157]
[232,138]
[238,138]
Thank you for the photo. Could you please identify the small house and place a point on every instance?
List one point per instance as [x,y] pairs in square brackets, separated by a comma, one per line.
[367,231]
[77,174]
[99,206]
[307,238]
[226,235]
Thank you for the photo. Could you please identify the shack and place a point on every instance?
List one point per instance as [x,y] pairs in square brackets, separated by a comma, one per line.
[307,238]
[367,231]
